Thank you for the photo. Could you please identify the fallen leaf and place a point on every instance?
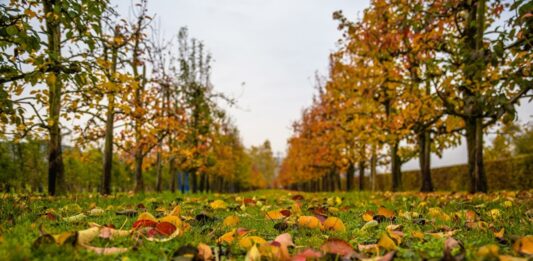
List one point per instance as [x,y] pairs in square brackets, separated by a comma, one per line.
[75,218]
[204,252]
[309,222]
[450,254]
[284,239]
[335,224]
[176,211]
[370,224]
[524,245]
[385,212]
[307,254]
[253,254]
[231,221]
[490,250]
[338,247]
[275,214]
[386,242]
[248,241]
[218,204]
[368,216]
[165,228]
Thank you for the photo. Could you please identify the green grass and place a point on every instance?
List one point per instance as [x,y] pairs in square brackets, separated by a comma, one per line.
[22,216]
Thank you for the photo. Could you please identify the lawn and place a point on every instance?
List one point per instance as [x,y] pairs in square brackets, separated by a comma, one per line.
[403,226]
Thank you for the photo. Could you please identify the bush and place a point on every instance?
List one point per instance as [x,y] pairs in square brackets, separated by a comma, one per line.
[507,174]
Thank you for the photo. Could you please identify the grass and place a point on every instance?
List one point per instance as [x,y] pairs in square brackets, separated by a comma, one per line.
[21,218]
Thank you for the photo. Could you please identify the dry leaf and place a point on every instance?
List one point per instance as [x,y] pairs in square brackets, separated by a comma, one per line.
[309,222]
[524,245]
[335,224]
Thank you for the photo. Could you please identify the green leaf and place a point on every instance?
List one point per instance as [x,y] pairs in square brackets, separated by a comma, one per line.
[12,30]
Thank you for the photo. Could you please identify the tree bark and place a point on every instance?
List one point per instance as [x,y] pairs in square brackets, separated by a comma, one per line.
[193,180]
[201,187]
[56,174]
[139,182]
[350,177]
[424,143]
[373,167]
[159,171]
[172,173]
[361,175]
[110,125]
[396,168]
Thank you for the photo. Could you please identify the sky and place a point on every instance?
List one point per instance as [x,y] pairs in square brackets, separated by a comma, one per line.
[266,53]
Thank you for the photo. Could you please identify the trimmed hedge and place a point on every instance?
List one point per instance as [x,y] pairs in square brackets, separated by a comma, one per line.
[508,174]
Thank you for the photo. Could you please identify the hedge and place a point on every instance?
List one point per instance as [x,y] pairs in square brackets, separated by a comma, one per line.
[507,174]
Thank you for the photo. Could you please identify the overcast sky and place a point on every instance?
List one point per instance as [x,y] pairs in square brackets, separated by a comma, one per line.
[274,47]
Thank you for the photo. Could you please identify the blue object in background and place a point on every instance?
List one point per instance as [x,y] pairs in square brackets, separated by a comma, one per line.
[183,181]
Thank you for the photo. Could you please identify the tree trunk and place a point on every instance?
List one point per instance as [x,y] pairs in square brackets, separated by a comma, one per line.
[56,178]
[159,171]
[474,144]
[396,168]
[350,177]
[361,175]
[201,187]
[105,188]
[373,167]
[424,144]
[172,173]
[194,183]
[139,182]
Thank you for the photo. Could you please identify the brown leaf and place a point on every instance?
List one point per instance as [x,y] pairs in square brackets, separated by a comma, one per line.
[449,245]
[338,247]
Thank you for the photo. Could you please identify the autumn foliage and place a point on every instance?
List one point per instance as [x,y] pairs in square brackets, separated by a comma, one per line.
[409,79]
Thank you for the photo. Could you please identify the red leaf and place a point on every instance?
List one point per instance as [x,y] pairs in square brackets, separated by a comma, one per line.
[297,197]
[165,228]
[249,201]
[285,212]
[144,223]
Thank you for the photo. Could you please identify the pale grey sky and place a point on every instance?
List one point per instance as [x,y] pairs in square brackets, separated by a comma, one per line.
[275,47]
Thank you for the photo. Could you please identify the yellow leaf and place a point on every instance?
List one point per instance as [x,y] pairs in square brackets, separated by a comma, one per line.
[146,216]
[488,250]
[386,242]
[417,234]
[218,204]
[495,213]
[499,234]
[253,254]
[227,238]
[335,224]
[309,222]
[368,216]
[231,221]
[249,241]
[176,211]
[274,215]
[176,221]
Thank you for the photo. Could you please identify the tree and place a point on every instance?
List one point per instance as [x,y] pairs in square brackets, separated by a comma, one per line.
[65,22]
